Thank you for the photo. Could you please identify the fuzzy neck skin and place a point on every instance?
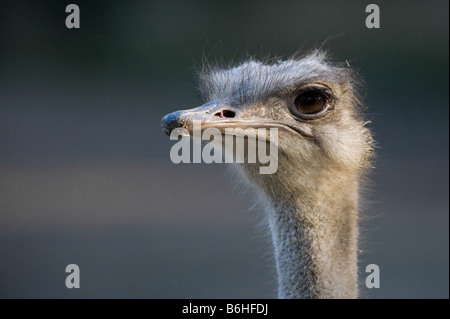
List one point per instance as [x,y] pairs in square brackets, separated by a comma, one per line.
[314,227]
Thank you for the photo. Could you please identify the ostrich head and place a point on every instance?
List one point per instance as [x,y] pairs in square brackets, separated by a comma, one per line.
[323,149]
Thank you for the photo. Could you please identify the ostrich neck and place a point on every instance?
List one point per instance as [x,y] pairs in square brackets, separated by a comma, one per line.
[315,232]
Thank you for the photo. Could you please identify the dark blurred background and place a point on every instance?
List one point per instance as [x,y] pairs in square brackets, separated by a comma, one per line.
[85,173]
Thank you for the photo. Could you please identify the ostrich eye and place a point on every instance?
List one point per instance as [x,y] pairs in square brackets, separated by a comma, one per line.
[310,102]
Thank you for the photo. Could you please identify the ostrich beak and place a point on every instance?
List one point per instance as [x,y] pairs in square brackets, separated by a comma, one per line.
[209,114]
[220,114]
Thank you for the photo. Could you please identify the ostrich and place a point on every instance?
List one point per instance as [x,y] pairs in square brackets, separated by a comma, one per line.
[324,150]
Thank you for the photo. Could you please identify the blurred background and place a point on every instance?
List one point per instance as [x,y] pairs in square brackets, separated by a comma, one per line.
[85,173]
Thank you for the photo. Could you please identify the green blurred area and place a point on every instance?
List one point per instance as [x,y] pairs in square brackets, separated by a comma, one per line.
[158,42]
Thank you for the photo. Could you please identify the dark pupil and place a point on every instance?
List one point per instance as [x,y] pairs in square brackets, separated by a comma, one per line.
[309,102]
[310,98]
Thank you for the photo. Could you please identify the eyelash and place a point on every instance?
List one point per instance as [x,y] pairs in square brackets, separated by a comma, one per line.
[324,91]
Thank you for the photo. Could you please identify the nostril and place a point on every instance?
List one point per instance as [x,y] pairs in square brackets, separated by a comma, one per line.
[228,113]
[225,113]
